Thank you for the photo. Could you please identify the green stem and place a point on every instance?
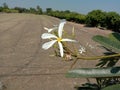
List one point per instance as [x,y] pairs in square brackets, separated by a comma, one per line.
[92,57]
[73,64]
[98,57]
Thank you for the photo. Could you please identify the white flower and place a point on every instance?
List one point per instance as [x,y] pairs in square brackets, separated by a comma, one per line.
[55,38]
[82,49]
[89,45]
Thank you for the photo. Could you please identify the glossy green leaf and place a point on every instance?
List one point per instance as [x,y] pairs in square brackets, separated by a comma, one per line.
[108,43]
[115,36]
[94,72]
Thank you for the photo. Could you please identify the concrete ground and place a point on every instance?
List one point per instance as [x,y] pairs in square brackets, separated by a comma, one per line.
[24,65]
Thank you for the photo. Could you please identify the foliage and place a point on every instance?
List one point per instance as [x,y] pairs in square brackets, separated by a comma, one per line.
[48,11]
[1,8]
[21,10]
[110,44]
[33,10]
[105,75]
[10,11]
[113,21]
[6,9]
[96,18]
[5,6]
[36,10]
[88,86]
[108,62]
[109,20]
[94,72]
[113,87]
[70,16]
[39,10]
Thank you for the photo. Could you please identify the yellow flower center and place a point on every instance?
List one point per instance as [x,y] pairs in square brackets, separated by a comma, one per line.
[59,39]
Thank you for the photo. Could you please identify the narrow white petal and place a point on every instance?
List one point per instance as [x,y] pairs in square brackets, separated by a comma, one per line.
[46,28]
[61,25]
[49,30]
[61,48]
[52,29]
[48,44]
[48,36]
[69,40]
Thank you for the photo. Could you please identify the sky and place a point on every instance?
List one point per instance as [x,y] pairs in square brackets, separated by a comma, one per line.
[80,6]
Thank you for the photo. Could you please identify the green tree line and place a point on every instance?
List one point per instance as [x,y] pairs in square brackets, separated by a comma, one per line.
[6,9]
[108,20]
[95,18]
[68,15]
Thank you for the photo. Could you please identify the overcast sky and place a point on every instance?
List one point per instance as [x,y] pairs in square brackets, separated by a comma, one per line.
[81,6]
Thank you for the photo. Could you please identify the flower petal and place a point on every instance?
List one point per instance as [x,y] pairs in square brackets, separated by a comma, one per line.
[46,28]
[48,36]
[54,28]
[61,25]
[51,29]
[47,45]
[82,49]
[61,48]
[69,40]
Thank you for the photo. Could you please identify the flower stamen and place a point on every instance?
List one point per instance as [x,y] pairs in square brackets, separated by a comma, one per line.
[59,39]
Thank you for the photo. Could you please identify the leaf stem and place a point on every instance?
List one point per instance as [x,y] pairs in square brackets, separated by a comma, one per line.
[91,57]
[98,57]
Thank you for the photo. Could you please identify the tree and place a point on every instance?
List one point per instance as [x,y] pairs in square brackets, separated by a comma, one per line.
[96,18]
[21,10]
[33,10]
[5,6]
[113,21]
[1,8]
[39,10]
[48,10]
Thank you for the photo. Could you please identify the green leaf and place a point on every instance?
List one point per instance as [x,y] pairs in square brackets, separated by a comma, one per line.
[113,87]
[108,43]
[94,72]
[115,36]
